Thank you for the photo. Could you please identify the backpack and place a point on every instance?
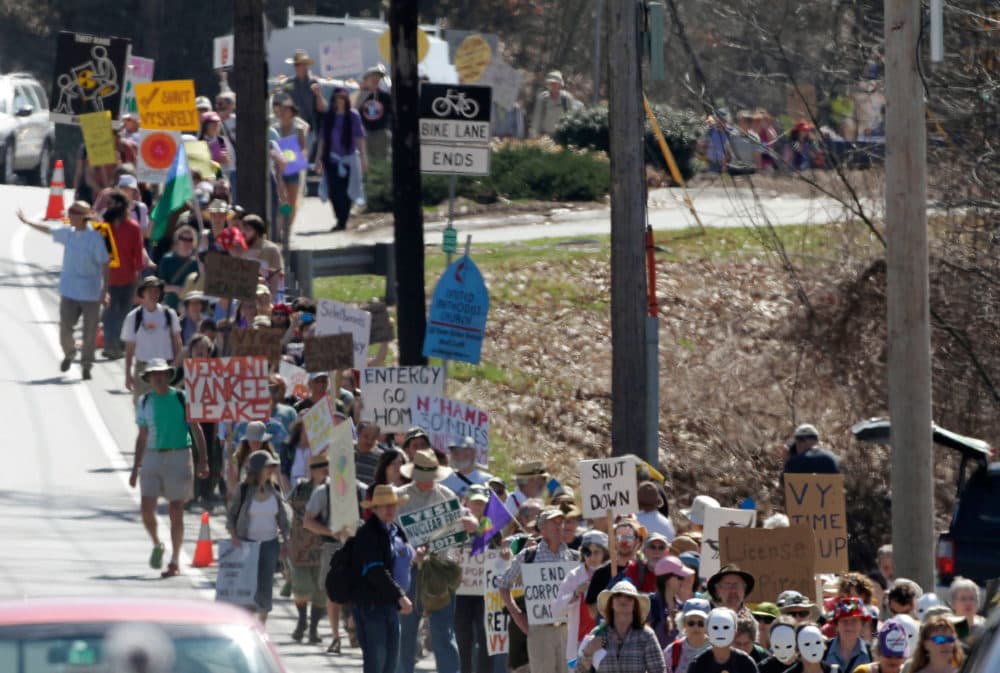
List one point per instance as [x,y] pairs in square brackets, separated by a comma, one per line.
[180,398]
[168,321]
[342,580]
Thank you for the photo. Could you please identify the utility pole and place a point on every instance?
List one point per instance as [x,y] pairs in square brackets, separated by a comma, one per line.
[628,223]
[598,64]
[250,84]
[407,209]
[908,297]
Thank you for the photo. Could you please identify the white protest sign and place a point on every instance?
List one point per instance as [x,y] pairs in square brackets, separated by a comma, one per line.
[474,571]
[222,52]
[319,423]
[388,391]
[335,318]
[296,379]
[424,526]
[496,617]
[608,484]
[155,155]
[716,518]
[237,579]
[140,71]
[506,83]
[450,422]
[340,57]
[343,483]
[541,586]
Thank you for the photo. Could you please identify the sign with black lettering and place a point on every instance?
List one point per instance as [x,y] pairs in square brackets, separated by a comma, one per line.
[388,393]
[455,129]
[817,501]
[779,559]
[608,484]
[432,525]
[541,586]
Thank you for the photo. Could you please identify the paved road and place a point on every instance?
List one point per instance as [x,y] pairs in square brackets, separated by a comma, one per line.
[71,522]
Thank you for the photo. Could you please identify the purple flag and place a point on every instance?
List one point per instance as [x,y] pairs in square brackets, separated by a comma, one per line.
[494,519]
[295,161]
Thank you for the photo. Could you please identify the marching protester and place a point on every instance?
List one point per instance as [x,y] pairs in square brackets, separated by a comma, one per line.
[721,626]
[937,649]
[470,628]
[623,642]
[151,331]
[465,472]
[342,156]
[628,538]
[122,279]
[570,601]
[304,554]
[729,588]
[810,643]
[963,596]
[782,645]
[530,479]
[666,605]
[893,650]
[693,639]
[375,107]
[367,452]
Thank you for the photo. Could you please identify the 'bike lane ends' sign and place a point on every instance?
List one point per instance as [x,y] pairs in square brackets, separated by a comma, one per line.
[455,129]
[457,320]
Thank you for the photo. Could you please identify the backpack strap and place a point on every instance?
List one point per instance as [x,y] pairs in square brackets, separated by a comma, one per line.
[675,654]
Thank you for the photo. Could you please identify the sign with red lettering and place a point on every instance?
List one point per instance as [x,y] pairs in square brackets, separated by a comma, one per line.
[496,617]
[817,501]
[227,389]
[449,422]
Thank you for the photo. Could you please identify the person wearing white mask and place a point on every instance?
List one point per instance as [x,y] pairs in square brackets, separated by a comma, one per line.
[723,657]
[783,651]
[812,646]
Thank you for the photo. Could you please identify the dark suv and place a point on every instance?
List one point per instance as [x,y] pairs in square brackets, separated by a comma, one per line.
[971,546]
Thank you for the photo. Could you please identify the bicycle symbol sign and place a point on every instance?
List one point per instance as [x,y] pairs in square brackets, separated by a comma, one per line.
[455,102]
[466,103]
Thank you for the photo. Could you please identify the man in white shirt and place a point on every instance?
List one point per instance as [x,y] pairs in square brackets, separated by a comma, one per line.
[531,478]
[650,502]
[466,471]
[151,331]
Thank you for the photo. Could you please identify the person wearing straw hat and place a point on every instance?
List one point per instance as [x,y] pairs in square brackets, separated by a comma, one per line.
[383,560]
[530,478]
[375,107]
[83,281]
[623,643]
[552,105]
[304,88]
[162,465]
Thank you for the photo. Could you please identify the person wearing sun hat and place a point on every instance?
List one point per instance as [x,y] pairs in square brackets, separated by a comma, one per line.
[670,575]
[151,330]
[624,633]
[679,654]
[848,649]
[765,614]
[551,105]
[696,512]
[375,107]
[730,587]
[304,554]
[797,606]
[530,478]
[304,88]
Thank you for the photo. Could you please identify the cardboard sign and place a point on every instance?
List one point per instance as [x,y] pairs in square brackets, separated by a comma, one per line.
[227,389]
[424,525]
[296,379]
[457,320]
[233,277]
[335,318]
[99,138]
[236,582]
[329,353]
[140,71]
[388,391]
[474,571]
[199,158]
[609,484]
[382,328]
[496,617]
[89,76]
[291,149]
[265,341]
[778,559]
[541,587]
[817,501]
[341,57]
[344,510]
[319,423]
[716,518]
[157,150]
[450,422]
[168,105]
[222,52]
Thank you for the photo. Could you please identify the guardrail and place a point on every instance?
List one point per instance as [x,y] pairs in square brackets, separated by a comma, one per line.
[378,259]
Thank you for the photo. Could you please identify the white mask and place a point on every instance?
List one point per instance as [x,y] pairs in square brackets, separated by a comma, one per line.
[721,627]
[911,627]
[811,644]
[783,643]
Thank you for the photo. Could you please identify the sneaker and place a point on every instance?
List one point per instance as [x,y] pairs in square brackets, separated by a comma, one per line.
[172,570]
[156,558]
[66,362]
[111,354]
[86,374]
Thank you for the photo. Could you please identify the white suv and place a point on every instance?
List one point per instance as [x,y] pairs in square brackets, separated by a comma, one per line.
[26,134]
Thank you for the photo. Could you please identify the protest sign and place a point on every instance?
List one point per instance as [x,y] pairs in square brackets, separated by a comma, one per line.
[382,329]
[474,571]
[199,157]
[387,392]
[817,501]
[424,526]
[716,518]
[140,71]
[291,150]
[506,83]
[779,559]
[265,341]
[496,617]
[541,586]
[236,582]
[329,353]
[168,105]
[296,379]
[98,138]
[450,422]
[343,483]
[341,57]
[227,389]
[335,318]
[608,484]
[233,277]
[472,57]
[89,76]
[456,323]
[222,52]
[319,423]
[157,150]
[104,229]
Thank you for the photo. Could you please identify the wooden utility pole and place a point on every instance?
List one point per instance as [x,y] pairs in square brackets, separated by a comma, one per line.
[249,81]
[908,297]
[407,209]
[628,222]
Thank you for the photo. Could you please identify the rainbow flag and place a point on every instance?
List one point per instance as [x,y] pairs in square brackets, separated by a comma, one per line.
[494,519]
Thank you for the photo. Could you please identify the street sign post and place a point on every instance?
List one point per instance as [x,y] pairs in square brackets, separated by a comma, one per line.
[455,129]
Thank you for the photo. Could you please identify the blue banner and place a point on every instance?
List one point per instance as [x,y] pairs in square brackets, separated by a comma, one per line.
[457,320]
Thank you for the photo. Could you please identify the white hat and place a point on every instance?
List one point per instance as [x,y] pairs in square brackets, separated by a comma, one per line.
[696,512]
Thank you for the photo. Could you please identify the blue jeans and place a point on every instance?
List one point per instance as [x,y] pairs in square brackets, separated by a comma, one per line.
[377,629]
[119,304]
[442,623]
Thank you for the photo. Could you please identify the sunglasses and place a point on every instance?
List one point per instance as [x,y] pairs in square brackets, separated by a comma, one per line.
[765,619]
[695,622]
[941,640]
[625,538]
[656,547]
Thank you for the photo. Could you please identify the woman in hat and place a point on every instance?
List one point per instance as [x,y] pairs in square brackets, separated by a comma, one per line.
[848,649]
[693,639]
[288,123]
[937,649]
[623,644]
[569,602]
[670,573]
[256,438]
[258,514]
[344,157]
[211,133]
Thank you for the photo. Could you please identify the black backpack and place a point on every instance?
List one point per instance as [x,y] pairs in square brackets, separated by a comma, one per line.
[168,319]
[342,579]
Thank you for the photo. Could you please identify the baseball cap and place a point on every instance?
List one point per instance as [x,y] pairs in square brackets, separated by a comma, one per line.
[892,640]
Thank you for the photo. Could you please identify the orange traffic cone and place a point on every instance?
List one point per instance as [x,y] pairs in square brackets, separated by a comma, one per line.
[203,553]
[56,210]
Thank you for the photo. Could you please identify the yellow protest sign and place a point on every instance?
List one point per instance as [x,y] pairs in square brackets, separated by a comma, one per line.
[104,229]
[385,45]
[98,138]
[199,158]
[168,105]
[472,58]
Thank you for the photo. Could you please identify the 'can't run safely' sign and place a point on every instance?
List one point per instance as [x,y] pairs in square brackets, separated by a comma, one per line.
[455,129]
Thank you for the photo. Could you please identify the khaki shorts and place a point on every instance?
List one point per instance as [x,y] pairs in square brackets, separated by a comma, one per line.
[326,553]
[305,585]
[167,474]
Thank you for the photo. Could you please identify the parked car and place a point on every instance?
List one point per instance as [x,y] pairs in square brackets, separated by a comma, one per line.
[112,635]
[27,136]
[971,546]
